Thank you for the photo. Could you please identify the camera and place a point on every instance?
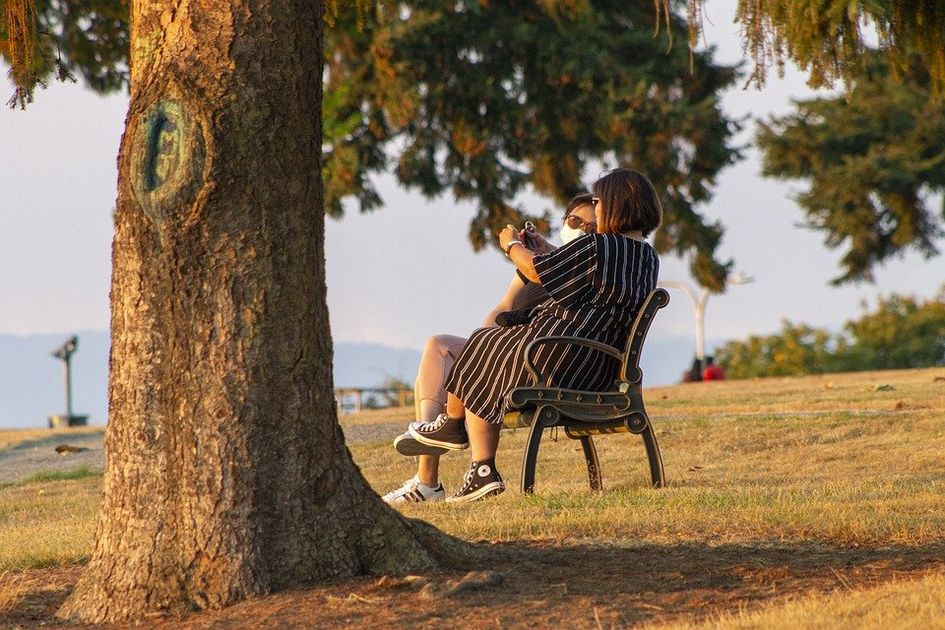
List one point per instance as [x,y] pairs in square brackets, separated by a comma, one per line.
[529,230]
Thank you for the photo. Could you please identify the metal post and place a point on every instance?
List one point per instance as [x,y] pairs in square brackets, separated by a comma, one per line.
[700,326]
[67,370]
[699,305]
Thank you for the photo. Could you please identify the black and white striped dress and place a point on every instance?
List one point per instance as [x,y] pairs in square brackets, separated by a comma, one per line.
[597,283]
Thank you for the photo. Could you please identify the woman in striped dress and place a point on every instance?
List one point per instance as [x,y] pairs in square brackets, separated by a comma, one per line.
[597,283]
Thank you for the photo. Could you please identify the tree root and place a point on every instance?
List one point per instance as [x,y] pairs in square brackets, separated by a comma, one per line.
[449,552]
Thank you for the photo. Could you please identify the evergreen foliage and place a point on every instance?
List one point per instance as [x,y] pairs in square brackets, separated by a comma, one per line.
[902,332]
[84,37]
[577,81]
[874,160]
[827,38]
[484,100]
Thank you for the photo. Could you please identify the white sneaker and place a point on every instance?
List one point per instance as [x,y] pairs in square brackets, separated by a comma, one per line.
[415,491]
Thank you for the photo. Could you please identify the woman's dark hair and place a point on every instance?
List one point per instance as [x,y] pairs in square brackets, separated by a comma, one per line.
[628,202]
[584,199]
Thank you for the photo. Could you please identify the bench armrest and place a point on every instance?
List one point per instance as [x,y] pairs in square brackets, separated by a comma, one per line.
[578,341]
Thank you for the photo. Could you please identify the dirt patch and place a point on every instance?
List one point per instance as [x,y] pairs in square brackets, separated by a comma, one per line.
[543,585]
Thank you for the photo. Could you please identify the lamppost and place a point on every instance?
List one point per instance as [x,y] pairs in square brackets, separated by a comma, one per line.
[698,304]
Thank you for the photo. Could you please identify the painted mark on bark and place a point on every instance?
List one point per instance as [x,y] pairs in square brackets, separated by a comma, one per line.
[164,145]
[168,160]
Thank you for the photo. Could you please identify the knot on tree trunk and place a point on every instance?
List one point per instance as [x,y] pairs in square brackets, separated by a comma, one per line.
[167,156]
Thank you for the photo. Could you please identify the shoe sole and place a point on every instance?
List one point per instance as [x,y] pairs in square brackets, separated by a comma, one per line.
[450,446]
[407,445]
[404,501]
[493,488]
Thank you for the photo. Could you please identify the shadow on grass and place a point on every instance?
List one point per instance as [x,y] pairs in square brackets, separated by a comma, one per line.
[580,585]
[46,590]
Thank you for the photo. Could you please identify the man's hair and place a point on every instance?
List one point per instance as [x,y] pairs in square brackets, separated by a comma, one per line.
[584,199]
[628,202]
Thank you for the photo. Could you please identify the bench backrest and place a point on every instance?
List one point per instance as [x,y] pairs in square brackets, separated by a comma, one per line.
[630,371]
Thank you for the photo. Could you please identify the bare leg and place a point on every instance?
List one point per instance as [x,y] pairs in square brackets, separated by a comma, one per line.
[454,406]
[438,356]
[428,469]
[429,410]
[428,466]
[483,437]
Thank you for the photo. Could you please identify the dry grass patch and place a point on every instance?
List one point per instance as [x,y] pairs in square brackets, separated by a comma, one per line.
[860,391]
[866,511]
[819,489]
[838,478]
[916,603]
[47,524]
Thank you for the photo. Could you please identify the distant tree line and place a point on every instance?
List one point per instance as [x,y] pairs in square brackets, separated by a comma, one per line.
[901,332]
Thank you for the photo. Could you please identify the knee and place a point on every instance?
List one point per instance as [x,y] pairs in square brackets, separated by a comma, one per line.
[436,346]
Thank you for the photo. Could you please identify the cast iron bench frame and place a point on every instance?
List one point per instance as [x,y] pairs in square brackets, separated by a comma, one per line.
[585,414]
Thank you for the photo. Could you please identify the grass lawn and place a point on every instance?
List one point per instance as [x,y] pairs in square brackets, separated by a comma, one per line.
[792,502]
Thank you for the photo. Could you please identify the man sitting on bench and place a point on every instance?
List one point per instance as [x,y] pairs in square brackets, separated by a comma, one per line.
[442,350]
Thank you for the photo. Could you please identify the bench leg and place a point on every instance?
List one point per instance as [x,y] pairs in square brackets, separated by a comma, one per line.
[530,459]
[593,465]
[657,477]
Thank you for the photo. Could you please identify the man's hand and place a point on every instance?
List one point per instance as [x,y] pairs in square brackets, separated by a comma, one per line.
[538,243]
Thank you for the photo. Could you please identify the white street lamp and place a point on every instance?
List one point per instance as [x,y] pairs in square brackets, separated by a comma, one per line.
[699,303]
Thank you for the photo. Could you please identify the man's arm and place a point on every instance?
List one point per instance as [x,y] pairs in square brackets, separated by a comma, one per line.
[505,304]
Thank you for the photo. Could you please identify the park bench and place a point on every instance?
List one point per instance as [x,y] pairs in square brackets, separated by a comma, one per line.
[583,415]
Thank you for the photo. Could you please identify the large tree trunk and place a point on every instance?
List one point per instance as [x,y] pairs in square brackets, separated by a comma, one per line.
[227,474]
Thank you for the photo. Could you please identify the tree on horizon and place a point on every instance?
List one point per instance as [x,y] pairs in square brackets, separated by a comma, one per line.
[873,164]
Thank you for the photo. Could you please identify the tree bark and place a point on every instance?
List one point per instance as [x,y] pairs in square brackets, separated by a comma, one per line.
[227,475]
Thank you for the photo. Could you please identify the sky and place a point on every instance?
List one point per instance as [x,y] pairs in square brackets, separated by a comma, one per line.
[407,271]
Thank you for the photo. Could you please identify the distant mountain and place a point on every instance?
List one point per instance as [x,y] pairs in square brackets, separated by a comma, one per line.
[31,380]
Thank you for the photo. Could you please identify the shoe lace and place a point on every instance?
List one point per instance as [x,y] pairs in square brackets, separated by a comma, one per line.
[467,480]
[435,424]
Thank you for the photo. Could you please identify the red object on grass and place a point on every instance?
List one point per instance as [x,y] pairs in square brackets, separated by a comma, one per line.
[713,373]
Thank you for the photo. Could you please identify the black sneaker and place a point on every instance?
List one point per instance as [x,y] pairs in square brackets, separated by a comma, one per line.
[407,444]
[449,433]
[480,481]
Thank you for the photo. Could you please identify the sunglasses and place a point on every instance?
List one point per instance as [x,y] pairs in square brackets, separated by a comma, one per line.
[575,222]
